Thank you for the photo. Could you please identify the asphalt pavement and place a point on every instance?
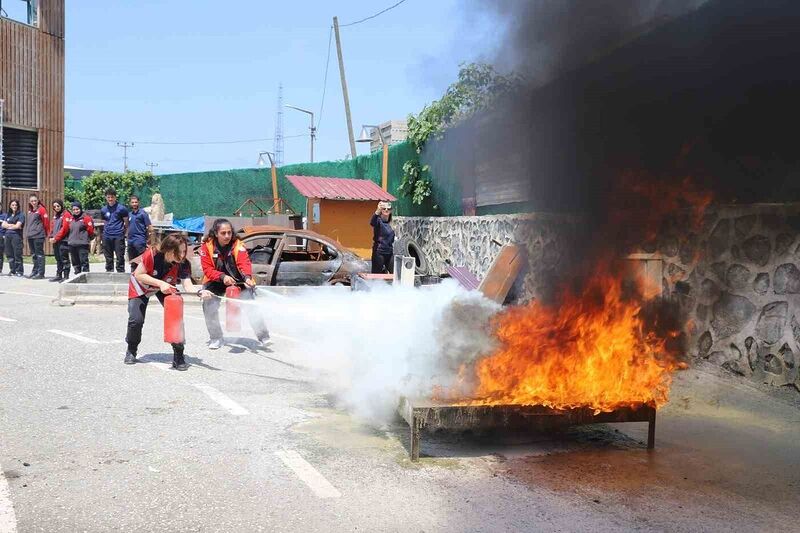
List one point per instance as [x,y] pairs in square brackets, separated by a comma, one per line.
[245,440]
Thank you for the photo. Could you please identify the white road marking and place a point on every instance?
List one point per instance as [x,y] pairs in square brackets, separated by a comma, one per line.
[4,319]
[51,296]
[8,519]
[157,364]
[81,337]
[308,474]
[228,404]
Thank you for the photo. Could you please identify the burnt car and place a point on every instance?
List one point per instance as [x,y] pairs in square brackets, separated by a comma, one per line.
[284,256]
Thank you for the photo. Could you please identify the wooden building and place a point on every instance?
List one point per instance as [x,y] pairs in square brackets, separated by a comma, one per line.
[340,208]
[32,90]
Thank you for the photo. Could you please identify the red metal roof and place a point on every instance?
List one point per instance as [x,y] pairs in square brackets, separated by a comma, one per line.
[339,188]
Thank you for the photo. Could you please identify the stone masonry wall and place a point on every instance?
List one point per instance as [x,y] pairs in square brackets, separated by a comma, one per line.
[737,279]
[467,241]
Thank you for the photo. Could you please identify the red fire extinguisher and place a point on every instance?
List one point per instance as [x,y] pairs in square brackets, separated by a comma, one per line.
[232,309]
[173,319]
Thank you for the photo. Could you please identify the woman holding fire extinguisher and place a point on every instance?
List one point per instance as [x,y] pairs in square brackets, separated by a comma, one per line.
[157,272]
[226,268]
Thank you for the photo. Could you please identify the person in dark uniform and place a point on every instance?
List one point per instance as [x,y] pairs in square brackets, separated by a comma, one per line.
[139,228]
[78,230]
[115,217]
[225,262]
[382,239]
[157,272]
[15,220]
[3,216]
[37,226]
[61,248]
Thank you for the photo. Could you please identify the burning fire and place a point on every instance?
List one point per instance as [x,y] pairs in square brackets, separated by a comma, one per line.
[603,346]
[593,350]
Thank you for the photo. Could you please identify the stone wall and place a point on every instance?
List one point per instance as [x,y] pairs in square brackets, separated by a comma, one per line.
[467,241]
[737,279]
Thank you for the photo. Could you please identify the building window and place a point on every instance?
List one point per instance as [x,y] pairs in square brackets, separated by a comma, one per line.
[20,158]
[25,11]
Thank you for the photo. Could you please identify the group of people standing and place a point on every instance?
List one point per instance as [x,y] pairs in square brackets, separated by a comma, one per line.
[70,233]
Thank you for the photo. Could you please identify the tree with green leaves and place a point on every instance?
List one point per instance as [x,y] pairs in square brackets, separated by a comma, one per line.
[478,85]
[93,195]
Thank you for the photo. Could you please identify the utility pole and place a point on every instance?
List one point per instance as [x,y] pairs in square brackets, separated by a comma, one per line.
[313,129]
[152,166]
[125,147]
[344,88]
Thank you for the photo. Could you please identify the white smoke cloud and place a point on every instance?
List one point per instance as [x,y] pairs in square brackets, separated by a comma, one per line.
[369,348]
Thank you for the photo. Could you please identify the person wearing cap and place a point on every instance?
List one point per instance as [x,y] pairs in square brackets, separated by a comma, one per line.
[139,230]
[382,239]
[78,231]
[61,248]
[115,217]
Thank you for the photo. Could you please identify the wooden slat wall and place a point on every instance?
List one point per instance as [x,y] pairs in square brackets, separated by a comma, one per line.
[32,85]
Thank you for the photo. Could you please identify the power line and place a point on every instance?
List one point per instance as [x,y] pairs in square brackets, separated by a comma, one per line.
[325,80]
[372,16]
[96,139]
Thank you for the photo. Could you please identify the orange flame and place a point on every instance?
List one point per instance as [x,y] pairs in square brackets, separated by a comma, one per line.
[601,347]
[593,350]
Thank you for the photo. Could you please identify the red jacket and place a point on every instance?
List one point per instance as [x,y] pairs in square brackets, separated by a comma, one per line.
[213,261]
[87,220]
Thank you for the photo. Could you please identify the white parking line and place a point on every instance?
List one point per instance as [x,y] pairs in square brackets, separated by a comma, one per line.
[228,404]
[81,337]
[8,520]
[51,296]
[4,319]
[308,474]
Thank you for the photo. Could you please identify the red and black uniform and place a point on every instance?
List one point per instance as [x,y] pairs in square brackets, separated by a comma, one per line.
[37,226]
[60,248]
[139,294]
[78,230]
[233,261]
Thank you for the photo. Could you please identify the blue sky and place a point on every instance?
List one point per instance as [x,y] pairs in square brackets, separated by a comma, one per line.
[205,70]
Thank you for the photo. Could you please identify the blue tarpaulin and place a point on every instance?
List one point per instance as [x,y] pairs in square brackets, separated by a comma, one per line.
[194,224]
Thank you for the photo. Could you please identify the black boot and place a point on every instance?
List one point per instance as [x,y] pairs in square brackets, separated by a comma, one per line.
[130,358]
[178,362]
[56,279]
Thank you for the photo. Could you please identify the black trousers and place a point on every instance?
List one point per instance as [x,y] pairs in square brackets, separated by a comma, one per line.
[36,246]
[79,253]
[382,263]
[2,251]
[137,310]
[253,314]
[134,251]
[61,253]
[112,247]
[13,250]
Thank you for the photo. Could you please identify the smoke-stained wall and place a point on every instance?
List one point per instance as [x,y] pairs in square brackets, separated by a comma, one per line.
[736,280]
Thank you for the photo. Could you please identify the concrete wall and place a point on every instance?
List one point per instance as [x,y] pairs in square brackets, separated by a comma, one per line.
[737,279]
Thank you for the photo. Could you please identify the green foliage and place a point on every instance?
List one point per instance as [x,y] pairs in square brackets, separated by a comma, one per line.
[71,191]
[478,85]
[95,185]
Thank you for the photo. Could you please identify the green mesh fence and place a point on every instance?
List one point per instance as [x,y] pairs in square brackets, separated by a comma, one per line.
[222,192]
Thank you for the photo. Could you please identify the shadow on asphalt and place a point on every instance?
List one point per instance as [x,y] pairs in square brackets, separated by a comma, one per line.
[166,358]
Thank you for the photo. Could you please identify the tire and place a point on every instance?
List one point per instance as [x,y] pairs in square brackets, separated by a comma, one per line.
[409,247]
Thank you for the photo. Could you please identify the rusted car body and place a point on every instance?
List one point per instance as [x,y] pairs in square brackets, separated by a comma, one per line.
[284,256]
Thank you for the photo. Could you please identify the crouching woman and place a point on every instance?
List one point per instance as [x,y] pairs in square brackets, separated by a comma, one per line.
[157,272]
[225,263]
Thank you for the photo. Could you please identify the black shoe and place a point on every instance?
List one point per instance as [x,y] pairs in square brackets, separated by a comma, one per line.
[179,363]
[38,276]
[130,358]
[56,279]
